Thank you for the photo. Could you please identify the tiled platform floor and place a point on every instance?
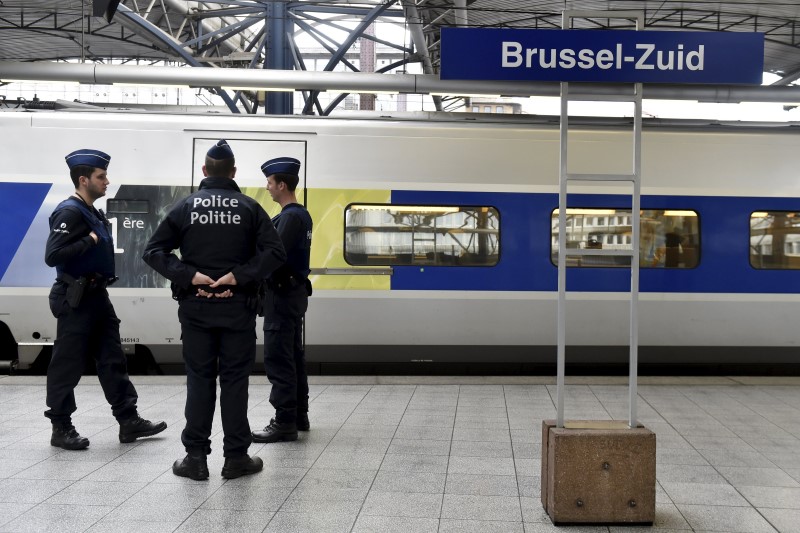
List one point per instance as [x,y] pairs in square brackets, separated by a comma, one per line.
[404,455]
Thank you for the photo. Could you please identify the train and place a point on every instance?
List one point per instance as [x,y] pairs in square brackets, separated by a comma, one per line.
[435,238]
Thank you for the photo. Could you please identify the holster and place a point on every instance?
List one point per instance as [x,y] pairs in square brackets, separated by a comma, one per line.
[285,280]
[178,292]
[76,288]
[255,300]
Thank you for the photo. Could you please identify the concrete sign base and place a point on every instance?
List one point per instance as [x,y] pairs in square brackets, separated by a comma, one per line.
[598,472]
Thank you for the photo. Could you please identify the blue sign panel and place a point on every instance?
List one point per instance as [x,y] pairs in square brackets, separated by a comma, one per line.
[602,56]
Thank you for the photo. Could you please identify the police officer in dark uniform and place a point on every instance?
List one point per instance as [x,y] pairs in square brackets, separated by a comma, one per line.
[81,248]
[285,304]
[228,245]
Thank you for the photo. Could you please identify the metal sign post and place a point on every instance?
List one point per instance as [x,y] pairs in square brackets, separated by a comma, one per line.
[564,179]
[599,471]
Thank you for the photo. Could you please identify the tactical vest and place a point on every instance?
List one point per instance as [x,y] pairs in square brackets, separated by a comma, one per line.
[297,254]
[99,259]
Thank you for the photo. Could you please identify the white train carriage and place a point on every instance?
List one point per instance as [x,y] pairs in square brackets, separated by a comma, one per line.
[433,244]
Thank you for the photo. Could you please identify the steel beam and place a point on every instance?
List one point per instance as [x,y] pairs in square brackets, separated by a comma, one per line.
[175,46]
[278,56]
[365,82]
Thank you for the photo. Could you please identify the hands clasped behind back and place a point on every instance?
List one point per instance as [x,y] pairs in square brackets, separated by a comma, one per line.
[201,279]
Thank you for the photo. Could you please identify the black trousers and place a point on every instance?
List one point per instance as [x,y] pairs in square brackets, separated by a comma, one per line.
[284,357]
[219,339]
[89,331]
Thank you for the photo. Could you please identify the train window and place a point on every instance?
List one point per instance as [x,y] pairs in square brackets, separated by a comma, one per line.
[114,205]
[382,234]
[669,238]
[775,240]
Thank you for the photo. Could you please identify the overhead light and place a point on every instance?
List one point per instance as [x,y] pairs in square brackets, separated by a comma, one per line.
[406,208]
[41,82]
[264,89]
[299,89]
[572,211]
[365,91]
[679,213]
[482,96]
[759,214]
[147,85]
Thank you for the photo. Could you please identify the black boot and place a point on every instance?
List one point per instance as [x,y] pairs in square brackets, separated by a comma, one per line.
[192,466]
[137,427]
[276,432]
[65,436]
[241,466]
[302,422]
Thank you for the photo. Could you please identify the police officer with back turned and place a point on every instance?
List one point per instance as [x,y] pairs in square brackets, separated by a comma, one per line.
[228,245]
[81,248]
[285,303]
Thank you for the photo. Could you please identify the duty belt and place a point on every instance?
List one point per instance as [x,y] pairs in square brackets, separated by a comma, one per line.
[93,281]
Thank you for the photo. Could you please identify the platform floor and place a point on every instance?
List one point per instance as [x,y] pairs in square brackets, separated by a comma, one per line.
[403,455]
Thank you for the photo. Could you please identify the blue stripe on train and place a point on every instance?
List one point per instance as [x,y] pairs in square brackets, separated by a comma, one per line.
[525,265]
[19,203]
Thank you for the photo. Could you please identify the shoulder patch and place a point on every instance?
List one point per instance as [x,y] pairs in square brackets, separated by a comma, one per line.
[61,228]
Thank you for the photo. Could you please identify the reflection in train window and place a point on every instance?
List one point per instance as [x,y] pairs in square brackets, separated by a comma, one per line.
[382,234]
[775,240]
[668,238]
[115,205]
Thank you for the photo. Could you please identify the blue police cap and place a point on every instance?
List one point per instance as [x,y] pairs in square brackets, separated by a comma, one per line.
[281,165]
[89,158]
[221,150]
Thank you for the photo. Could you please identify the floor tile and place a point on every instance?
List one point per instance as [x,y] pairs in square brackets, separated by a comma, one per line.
[704,494]
[391,481]
[761,477]
[284,522]
[470,507]
[95,493]
[247,498]
[772,497]
[724,518]
[216,520]
[784,520]
[61,518]
[334,484]
[403,504]
[482,485]
[9,511]
[390,524]
[414,463]
[30,490]
[448,525]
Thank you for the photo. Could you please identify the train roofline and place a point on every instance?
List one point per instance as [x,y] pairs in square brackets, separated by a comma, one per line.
[496,119]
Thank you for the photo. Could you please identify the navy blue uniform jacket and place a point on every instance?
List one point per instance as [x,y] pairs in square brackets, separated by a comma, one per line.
[218,230]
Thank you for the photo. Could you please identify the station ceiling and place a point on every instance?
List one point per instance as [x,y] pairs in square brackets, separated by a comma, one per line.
[174,30]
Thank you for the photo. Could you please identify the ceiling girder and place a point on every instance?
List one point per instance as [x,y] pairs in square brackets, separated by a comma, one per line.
[201,33]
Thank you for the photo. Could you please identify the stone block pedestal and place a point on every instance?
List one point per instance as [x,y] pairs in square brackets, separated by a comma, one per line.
[600,472]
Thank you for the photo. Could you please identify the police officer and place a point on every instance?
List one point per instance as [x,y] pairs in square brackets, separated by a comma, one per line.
[81,248]
[285,304]
[228,245]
